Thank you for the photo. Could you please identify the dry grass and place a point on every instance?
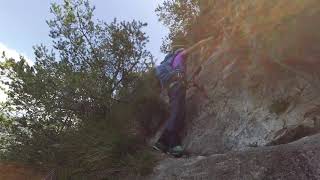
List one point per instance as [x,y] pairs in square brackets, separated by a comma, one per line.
[20,172]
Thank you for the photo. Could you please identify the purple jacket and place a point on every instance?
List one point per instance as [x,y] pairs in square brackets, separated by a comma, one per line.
[178,60]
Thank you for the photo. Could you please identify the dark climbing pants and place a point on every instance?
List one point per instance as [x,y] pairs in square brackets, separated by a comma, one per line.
[175,122]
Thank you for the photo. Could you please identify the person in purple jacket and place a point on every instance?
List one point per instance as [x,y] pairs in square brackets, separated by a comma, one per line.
[170,141]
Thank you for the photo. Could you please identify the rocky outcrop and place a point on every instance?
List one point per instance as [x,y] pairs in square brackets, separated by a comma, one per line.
[258,116]
[263,89]
[294,161]
[250,127]
[260,123]
[248,106]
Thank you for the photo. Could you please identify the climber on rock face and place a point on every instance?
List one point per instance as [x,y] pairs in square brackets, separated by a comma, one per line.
[171,74]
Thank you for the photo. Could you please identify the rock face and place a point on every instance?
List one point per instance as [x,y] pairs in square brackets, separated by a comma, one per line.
[258,123]
[257,115]
[294,161]
[244,129]
[249,105]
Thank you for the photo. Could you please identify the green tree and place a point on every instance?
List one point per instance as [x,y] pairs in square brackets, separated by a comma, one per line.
[178,16]
[189,21]
[68,108]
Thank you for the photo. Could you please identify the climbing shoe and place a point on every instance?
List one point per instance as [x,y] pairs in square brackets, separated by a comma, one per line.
[176,151]
[160,147]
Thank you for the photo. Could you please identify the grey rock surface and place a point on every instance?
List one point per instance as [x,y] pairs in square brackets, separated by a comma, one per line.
[260,122]
[248,106]
[293,161]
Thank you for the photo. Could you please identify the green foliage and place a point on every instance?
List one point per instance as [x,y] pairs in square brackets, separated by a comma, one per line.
[270,23]
[178,16]
[188,21]
[150,109]
[73,109]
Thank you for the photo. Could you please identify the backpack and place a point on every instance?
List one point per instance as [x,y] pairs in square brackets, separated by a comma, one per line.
[165,72]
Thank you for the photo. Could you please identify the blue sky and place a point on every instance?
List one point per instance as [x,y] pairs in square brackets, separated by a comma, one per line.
[23,22]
